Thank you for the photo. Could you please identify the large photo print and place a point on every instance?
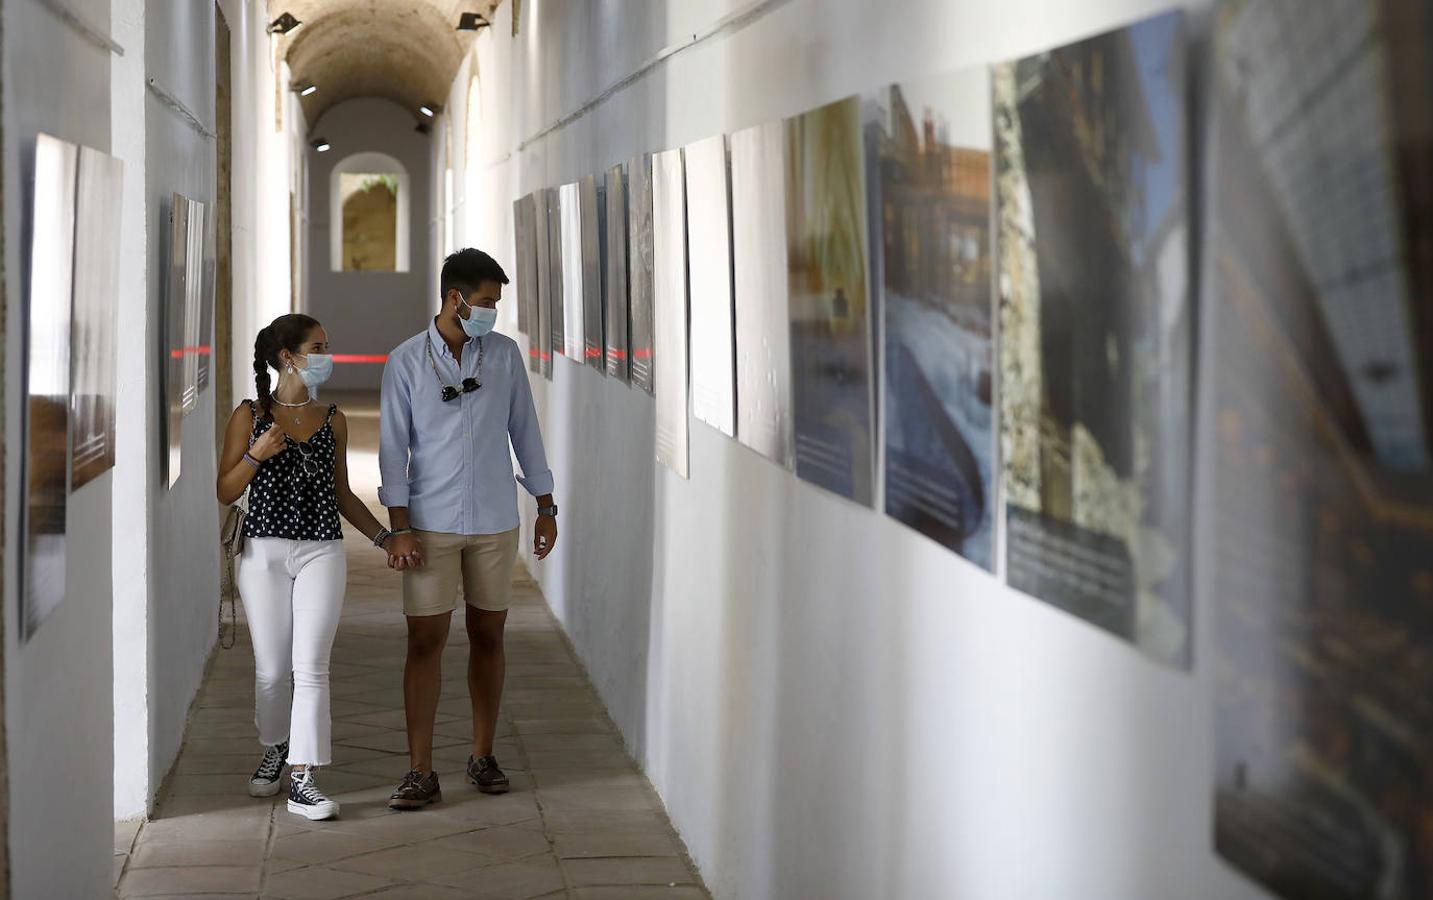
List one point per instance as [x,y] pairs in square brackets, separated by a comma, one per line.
[1318,472]
[1095,336]
[932,143]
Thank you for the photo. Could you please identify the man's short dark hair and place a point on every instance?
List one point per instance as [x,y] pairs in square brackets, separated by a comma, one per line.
[469,268]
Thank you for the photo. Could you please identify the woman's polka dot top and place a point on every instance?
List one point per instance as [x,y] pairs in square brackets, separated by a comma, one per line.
[293,496]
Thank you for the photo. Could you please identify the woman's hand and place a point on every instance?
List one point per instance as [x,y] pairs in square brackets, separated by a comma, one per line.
[269,444]
[405,551]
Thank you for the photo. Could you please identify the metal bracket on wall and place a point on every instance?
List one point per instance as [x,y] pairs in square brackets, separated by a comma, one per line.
[173,103]
[79,26]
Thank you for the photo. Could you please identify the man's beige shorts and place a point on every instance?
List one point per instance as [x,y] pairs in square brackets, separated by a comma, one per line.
[483,561]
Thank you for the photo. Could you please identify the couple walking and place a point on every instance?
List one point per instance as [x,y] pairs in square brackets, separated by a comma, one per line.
[452,399]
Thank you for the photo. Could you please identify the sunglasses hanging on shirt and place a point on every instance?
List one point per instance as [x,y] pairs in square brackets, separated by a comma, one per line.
[469,384]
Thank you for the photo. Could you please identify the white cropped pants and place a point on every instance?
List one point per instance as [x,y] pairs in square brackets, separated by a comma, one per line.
[293,596]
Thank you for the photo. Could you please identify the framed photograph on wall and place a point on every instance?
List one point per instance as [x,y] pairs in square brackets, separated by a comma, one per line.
[615,292]
[712,323]
[95,317]
[172,344]
[594,345]
[574,345]
[47,382]
[669,311]
[1095,337]
[640,253]
[827,270]
[1316,448]
[556,293]
[932,209]
[763,314]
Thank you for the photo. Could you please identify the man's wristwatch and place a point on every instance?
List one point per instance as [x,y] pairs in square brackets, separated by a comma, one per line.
[548,511]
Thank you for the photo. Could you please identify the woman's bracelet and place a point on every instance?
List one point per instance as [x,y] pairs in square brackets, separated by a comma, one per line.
[253,462]
[383,535]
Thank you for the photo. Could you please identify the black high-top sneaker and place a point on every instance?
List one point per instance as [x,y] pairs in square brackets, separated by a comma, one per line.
[305,799]
[486,775]
[265,782]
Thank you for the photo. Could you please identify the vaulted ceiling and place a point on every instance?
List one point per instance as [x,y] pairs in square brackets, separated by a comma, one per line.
[405,50]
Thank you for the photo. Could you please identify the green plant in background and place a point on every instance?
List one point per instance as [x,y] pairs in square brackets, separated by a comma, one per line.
[388,181]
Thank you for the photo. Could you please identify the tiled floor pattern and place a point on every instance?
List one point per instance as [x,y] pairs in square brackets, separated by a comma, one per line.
[581,822]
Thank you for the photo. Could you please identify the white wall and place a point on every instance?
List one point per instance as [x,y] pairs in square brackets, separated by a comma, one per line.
[184,566]
[166,557]
[268,163]
[137,402]
[830,705]
[368,313]
[58,700]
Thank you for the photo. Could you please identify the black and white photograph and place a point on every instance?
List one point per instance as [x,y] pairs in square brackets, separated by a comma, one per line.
[594,343]
[47,381]
[641,254]
[669,312]
[93,390]
[763,315]
[617,301]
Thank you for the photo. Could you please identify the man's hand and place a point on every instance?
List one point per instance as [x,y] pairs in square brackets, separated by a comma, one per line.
[405,551]
[544,536]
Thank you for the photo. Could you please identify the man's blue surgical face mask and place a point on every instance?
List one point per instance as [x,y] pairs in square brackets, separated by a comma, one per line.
[480,320]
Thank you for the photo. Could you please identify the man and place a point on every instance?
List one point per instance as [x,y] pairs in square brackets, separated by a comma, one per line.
[453,396]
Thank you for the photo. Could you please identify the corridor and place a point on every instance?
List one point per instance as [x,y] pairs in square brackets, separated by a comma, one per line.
[581,821]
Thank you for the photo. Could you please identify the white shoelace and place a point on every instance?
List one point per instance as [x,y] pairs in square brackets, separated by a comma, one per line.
[272,762]
[306,787]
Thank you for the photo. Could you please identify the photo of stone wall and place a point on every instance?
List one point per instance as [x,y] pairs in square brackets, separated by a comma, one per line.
[1092,221]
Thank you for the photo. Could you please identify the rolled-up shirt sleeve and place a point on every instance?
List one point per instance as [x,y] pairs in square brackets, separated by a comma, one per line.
[526,436]
[395,425]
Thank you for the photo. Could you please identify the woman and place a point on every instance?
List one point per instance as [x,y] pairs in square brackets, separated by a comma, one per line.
[290,453]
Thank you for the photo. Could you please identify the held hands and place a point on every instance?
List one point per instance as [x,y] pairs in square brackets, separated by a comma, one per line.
[544,536]
[269,444]
[405,552]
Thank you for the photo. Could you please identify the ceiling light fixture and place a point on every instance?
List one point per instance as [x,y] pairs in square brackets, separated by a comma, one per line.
[304,90]
[322,145]
[471,21]
[428,109]
[284,24]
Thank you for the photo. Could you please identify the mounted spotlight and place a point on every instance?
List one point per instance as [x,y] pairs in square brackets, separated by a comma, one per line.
[471,21]
[430,109]
[321,145]
[284,24]
[304,90]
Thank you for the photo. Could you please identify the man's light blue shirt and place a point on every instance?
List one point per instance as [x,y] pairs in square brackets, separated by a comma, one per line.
[449,462]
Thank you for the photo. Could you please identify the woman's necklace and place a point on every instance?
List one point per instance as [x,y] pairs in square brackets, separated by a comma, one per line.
[297,419]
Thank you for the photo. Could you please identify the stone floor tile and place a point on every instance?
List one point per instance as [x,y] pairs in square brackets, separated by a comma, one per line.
[422,862]
[599,844]
[587,821]
[246,853]
[419,892]
[508,881]
[320,883]
[124,834]
[641,892]
[183,880]
[656,870]
[319,847]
